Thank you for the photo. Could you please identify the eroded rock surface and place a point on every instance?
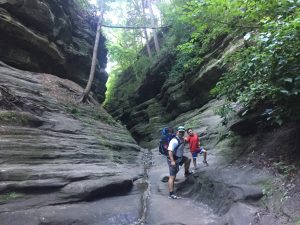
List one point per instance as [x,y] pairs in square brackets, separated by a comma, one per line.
[241,184]
[58,155]
[54,37]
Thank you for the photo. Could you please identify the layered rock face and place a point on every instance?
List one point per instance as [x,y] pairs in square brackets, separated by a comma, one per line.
[58,158]
[242,156]
[161,98]
[51,36]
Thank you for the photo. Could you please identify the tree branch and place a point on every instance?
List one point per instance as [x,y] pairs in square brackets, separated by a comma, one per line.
[234,25]
[132,27]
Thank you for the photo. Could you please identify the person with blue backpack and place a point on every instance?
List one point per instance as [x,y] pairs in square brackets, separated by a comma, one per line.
[176,159]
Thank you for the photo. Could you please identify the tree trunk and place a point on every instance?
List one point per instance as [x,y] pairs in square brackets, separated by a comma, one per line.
[145,31]
[157,48]
[87,89]
[147,44]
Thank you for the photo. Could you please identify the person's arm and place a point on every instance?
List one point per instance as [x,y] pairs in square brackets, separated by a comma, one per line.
[171,158]
[198,142]
[187,139]
[170,152]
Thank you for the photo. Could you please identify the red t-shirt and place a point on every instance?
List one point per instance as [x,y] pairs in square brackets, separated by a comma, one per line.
[193,141]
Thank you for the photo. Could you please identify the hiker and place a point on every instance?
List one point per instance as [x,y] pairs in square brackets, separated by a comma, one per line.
[194,145]
[176,159]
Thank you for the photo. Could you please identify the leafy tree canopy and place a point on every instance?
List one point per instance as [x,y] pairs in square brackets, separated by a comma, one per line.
[265,71]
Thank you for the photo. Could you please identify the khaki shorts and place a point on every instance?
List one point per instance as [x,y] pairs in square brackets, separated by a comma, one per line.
[173,170]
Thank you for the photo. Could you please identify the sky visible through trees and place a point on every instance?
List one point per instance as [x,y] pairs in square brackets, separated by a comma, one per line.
[126,13]
[264,71]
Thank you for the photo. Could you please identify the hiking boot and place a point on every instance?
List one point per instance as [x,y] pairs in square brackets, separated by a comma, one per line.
[173,196]
[187,173]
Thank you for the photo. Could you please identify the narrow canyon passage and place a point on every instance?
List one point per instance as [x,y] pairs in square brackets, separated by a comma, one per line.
[161,210]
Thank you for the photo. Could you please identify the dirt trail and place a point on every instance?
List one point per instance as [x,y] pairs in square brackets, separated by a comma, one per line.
[163,211]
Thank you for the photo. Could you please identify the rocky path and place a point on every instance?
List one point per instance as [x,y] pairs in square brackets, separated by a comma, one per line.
[162,210]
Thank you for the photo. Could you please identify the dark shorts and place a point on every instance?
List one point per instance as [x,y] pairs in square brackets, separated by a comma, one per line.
[173,170]
[198,151]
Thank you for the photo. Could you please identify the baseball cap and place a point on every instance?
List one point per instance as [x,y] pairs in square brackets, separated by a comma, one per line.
[181,128]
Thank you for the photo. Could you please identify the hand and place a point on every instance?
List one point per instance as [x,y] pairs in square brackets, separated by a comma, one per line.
[173,163]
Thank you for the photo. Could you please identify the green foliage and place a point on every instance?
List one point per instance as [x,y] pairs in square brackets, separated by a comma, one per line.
[141,67]
[89,114]
[267,189]
[267,71]
[224,111]
[121,86]
[124,53]
[275,193]
[14,118]
[10,196]
[125,47]
[83,4]
[197,26]
[202,28]
[287,170]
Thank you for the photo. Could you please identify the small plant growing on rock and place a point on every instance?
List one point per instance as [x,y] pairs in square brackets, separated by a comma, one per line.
[285,169]
[10,196]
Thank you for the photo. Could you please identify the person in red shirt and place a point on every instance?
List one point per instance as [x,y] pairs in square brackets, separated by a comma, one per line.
[195,149]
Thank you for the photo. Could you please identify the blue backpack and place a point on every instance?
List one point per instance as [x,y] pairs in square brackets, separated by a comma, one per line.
[165,140]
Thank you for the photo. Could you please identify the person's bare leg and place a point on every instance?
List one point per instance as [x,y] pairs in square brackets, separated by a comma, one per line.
[187,165]
[171,183]
[195,163]
[204,155]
